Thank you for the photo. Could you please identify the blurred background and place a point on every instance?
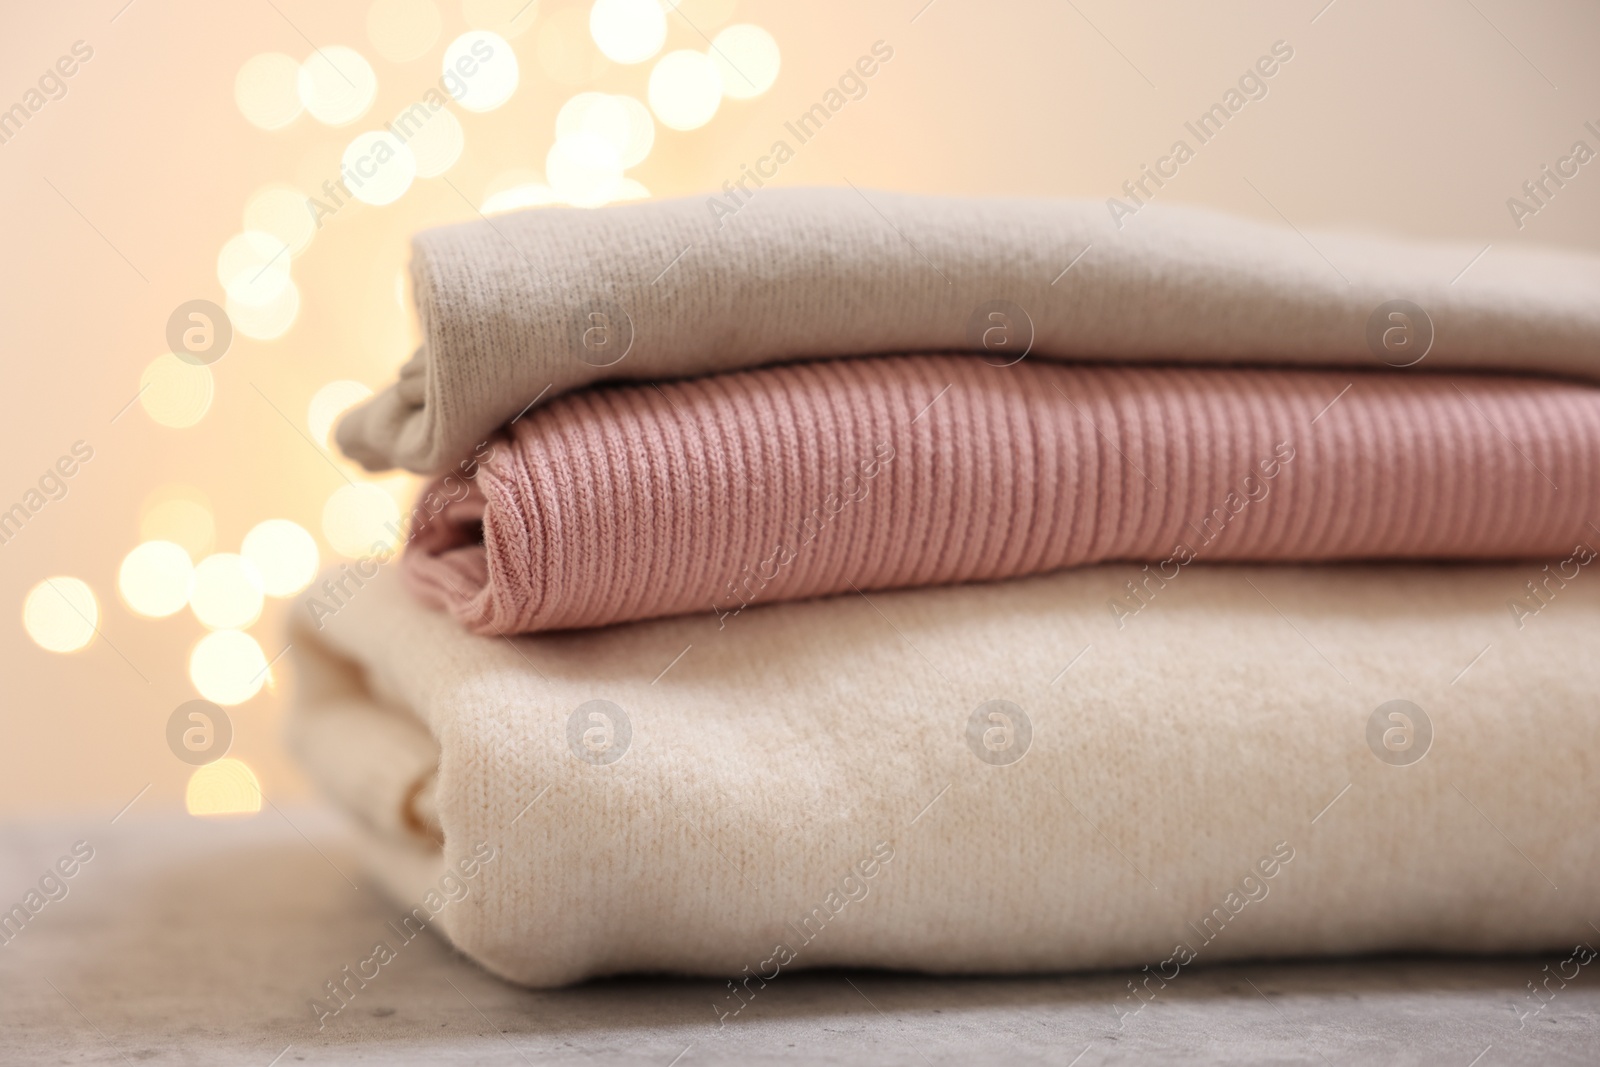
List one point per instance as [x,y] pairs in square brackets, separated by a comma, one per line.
[155,511]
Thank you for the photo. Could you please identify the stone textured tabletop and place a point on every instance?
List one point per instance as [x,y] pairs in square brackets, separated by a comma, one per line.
[191,942]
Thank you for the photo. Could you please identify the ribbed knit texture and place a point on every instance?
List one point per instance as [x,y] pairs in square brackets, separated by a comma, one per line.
[530,305]
[709,495]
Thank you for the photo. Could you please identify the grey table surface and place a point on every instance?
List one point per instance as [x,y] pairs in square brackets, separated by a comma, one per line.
[201,942]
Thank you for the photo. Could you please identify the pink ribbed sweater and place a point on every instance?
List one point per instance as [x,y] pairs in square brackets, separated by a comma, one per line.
[621,503]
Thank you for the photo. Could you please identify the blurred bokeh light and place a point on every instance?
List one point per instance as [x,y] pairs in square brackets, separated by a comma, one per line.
[359,517]
[223,787]
[685,89]
[267,90]
[284,554]
[484,67]
[227,667]
[174,392]
[227,592]
[60,614]
[628,31]
[747,58]
[336,84]
[156,578]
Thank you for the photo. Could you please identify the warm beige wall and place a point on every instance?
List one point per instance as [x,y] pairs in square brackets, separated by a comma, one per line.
[1418,118]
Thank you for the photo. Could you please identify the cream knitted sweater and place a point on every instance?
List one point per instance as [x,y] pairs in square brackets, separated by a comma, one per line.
[1001,777]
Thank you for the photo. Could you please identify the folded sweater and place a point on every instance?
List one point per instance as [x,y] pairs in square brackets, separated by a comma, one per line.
[981,778]
[526,306]
[713,494]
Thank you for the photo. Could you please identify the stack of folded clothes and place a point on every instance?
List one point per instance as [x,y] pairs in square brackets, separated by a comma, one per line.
[972,585]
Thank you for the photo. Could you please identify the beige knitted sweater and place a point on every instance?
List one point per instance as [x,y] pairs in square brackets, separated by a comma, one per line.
[1002,777]
[523,307]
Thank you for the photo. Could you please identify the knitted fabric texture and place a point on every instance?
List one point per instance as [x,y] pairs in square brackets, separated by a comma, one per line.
[830,776]
[710,495]
[527,306]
